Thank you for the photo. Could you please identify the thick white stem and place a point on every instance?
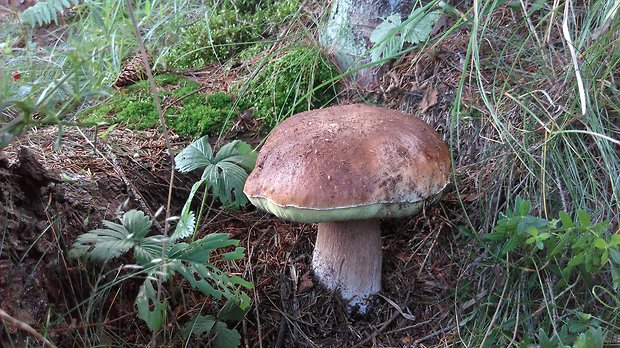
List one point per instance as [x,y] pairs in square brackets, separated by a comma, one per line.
[347,256]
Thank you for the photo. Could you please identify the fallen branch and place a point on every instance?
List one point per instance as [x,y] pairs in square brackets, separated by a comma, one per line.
[20,325]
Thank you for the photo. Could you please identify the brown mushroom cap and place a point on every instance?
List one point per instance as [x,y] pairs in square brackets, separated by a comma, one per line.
[348,162]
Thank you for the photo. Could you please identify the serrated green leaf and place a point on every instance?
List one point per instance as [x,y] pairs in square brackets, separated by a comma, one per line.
[224,174]
[238,254]
[231,179]
[197,155]
[106,250]
[236,280]
[148,249]
[185,226]
[195,274]
[387,38]
[225,337]
[51,14]
[385,29]
[239,153]
[419,29]
[200,250]
[57,5]
[199,325]
[147,297]
[137,223]
[107,243]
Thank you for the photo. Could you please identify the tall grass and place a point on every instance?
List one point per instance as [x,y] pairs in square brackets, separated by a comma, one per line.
[551,119]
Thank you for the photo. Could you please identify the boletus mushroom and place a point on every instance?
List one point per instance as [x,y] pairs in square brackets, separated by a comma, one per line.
[346,167]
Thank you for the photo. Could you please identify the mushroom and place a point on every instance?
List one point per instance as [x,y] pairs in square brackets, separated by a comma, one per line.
[346,167]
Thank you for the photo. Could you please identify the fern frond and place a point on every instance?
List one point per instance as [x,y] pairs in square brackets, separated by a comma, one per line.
[46,12]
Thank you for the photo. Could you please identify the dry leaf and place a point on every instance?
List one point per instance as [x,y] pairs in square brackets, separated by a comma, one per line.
[429,99]
[305,284]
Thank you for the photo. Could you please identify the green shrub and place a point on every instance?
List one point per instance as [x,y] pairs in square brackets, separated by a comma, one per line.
[558,281]
[285,85]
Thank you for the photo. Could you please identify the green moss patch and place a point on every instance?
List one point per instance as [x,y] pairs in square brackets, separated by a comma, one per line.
[230,27]
[193,115]
[285,85]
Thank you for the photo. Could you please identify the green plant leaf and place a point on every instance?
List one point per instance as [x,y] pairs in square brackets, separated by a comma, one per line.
[225,337]
[236,280]
[511,245]
[197,155]
[387,38]
[567,222]
[584,218]
[238,254]
[185,226]
[148,249]
[147,298]
[225,174]
[198,325]
[420,28]
[576,260]
[495,236]
[198,276]
[522,207]
[232,311]
[107,243]
[599,243]
[200,250]
[238,152]
[137,224]
[564,239]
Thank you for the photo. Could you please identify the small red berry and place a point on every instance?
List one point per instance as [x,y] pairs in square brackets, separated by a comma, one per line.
[16,75]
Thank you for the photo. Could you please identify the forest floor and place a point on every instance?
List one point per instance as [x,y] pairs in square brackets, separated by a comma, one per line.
[50,196]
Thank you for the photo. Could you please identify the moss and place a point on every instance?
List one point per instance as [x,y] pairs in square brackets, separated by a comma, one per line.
[219,100]
[231,27]
[284,86]
[195,115]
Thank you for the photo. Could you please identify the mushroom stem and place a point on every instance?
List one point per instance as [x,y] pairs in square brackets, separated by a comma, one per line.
[347,256]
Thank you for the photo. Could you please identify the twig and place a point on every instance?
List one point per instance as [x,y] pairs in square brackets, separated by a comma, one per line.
[162,121]
[282,332]
[573,55]
[20,325]
[428,253]
[378,331]
[434,334]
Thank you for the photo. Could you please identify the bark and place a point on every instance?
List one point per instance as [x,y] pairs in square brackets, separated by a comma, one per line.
[347,256]
[347,33]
